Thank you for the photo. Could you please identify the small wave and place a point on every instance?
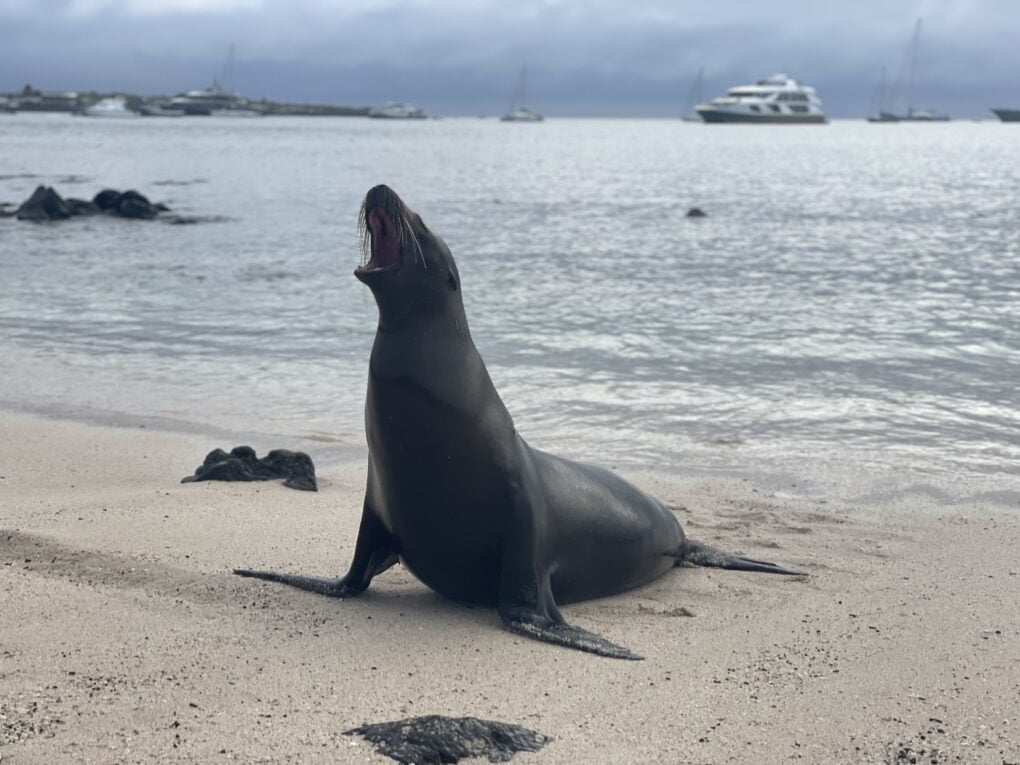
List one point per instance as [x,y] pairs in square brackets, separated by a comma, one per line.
[190,220]
[173,182]
[260,273]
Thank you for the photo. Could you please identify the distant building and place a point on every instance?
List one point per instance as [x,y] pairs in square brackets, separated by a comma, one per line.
[47,101]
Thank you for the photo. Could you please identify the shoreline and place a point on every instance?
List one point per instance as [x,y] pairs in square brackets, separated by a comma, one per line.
[842,475]
[126,638]
[329,449]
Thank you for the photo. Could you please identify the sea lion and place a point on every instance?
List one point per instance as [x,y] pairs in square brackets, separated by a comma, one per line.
[455,494]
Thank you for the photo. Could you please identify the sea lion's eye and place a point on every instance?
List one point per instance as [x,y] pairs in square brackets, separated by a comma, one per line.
[452,281]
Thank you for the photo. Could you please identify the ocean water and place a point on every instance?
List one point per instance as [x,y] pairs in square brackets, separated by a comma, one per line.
[844,322]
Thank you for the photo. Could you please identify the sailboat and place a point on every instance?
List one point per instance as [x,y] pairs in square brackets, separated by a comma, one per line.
[695,97]
[884,115]
[517,111]
[912,114]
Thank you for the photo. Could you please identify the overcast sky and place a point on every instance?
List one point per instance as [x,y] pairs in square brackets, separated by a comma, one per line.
[584,57]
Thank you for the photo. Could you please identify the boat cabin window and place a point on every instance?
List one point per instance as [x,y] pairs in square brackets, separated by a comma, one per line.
[755,108]
[774,108]
[798,108]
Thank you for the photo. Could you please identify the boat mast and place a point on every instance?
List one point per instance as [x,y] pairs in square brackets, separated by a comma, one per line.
[881,92]
[695,96]
[228,71]
[914,43]
[517,99]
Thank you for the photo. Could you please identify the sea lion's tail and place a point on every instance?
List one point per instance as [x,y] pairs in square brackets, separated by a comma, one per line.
[697,554]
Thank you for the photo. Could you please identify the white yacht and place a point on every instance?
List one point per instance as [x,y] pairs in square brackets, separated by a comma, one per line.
[394,110]
[109,107]
[776,99]
[205,101]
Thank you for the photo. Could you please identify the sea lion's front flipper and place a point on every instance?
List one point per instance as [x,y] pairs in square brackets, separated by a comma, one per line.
[534,625]
[373,553]
[526,602]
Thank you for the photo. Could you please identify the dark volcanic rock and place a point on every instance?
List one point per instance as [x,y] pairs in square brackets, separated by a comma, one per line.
[696,212]
[242,464]
[437,739]
[134,205]
[44,204]
[107,199]
[82,206]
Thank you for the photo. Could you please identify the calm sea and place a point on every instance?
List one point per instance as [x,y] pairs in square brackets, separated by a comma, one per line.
[844,320]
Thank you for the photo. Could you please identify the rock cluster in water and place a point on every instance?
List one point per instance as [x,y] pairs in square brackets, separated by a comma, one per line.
[46,204]
[438,739]
[241,464]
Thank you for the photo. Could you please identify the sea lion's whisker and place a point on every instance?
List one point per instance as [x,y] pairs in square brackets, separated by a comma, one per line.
[396,212]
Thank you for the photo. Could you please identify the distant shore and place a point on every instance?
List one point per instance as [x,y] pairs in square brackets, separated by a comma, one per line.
[125,637]
[31,100]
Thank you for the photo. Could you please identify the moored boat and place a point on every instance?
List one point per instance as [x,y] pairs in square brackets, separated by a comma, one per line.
[517,111]
[912,114]
[203,102]
[158,109]
[1007,115]
[396,110]
[115,106]
[775,99]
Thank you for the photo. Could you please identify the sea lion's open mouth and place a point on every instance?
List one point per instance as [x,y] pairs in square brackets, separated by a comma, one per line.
[384,244]
[385,226]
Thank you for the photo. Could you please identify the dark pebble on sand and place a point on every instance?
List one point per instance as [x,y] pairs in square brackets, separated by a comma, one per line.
[438,739]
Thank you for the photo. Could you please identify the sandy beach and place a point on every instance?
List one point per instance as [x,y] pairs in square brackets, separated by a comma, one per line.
[124,637]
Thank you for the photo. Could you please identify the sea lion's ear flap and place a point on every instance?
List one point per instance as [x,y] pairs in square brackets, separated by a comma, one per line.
[451,281]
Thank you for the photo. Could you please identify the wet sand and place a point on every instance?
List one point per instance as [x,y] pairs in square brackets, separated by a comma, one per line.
[124,637]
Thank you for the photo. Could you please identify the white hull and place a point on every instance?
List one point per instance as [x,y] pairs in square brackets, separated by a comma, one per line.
[397,111]
[235,113]
[110,108]
[522,115]
[722,115]
[110,116]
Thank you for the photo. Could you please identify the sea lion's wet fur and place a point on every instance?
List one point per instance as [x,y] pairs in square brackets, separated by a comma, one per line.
[455,494]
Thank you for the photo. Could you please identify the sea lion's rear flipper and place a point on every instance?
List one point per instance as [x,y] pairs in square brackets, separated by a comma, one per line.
[698,554]
[373,554]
